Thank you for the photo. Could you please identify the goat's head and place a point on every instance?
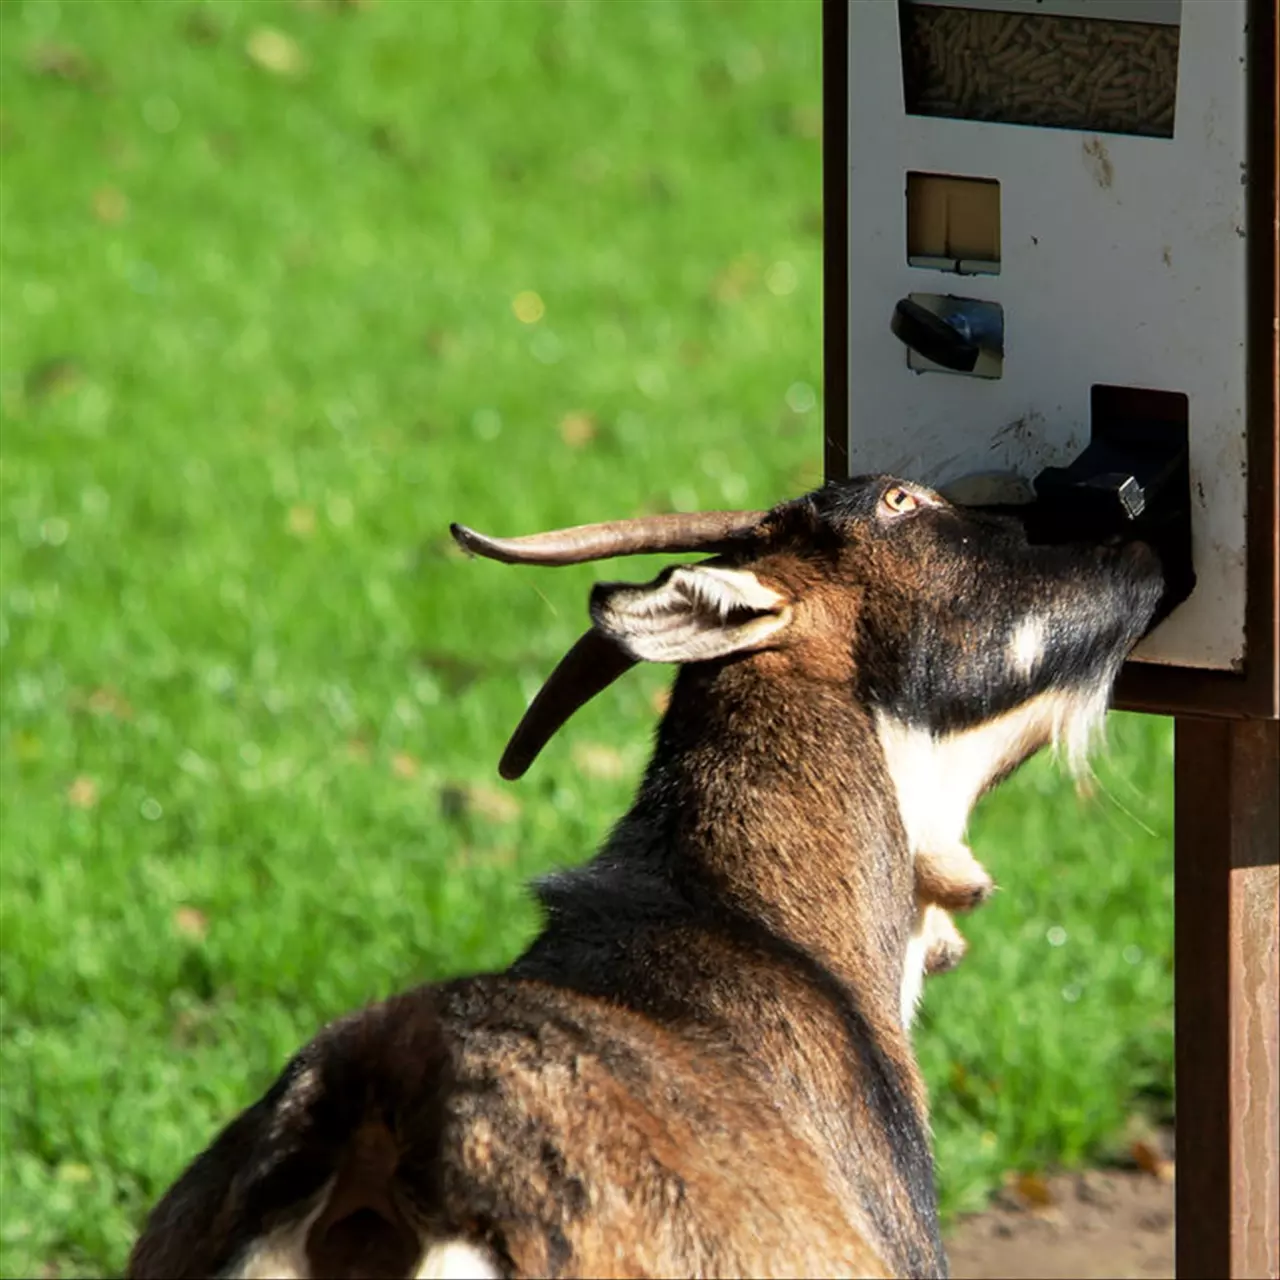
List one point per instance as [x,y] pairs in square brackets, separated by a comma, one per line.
[941,619]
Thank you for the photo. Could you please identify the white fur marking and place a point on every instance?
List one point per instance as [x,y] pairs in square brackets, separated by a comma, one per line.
[282,1254]
[1026,648]
[913,970]
[457,1260]
[939,779]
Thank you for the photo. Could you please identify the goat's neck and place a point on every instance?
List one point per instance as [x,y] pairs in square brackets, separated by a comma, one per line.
[770,794]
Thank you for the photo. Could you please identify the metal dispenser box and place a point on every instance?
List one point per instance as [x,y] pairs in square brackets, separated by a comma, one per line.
[1049,222]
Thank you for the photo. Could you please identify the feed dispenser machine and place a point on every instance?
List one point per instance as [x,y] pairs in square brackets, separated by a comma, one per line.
[1051,276]
[1043,210]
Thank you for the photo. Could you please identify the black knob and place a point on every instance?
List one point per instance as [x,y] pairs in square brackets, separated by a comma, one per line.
[932,337]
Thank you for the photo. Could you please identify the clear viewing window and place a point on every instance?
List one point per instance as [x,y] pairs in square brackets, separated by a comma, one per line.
[1043,69]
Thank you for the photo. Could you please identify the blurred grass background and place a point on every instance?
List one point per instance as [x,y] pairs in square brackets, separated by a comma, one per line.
[287,287]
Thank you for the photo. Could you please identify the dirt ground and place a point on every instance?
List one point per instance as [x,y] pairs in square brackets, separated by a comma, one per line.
[1111,1223]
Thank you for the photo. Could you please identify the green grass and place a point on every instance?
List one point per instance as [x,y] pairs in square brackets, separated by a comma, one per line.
[260,344]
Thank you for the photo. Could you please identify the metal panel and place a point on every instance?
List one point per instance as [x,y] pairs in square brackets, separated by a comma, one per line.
[1123,262]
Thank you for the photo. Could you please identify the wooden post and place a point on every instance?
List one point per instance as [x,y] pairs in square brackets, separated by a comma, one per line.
[1227,976]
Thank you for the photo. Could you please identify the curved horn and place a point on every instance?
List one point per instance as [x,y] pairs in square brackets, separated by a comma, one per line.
[677,531]
[590,667]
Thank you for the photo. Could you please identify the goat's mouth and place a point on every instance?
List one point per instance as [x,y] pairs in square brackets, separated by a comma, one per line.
[1151,554]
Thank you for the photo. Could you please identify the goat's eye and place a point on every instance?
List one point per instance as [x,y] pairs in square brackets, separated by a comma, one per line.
[897,501]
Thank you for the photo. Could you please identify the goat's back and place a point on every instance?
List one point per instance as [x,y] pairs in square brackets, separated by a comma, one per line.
[510,1124]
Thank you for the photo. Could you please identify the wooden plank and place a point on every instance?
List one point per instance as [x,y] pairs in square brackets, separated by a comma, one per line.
[1227,975]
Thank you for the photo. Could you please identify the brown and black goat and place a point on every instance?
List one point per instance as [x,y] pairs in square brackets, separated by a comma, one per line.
[702,1066]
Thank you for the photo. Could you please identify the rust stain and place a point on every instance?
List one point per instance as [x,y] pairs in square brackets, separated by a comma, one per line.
[1098,159]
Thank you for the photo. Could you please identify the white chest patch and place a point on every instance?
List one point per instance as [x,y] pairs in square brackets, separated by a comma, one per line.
[938,779]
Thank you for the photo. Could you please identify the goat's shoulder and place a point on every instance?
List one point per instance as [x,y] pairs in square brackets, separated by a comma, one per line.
[685,961]
[584,1136]
[737,1020]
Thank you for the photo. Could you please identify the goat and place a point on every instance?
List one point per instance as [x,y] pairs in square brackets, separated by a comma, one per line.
[946,880]
[702,1065]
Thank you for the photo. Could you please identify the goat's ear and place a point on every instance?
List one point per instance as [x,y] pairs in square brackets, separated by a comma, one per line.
[690,614]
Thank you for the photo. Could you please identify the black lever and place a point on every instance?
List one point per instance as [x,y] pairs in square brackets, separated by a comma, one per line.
[1117,481]
[933,337]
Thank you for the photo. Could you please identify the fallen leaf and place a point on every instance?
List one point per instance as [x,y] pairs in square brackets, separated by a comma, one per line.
[577,429]
[491,803]
[736,279]
[1033,1190]
[107,701]
[599,761]
[302,521]
[275,52]
[496,856]
[50,377]
[61,62]
[191,923]
[83,792]
[1151,1160]
[486,802]
[403,765]
[110,205]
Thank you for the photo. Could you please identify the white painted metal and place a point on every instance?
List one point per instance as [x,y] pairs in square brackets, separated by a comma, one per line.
[1165,12]
[1122,263]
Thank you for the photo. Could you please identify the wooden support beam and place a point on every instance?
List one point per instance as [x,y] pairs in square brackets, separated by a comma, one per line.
[1227,975]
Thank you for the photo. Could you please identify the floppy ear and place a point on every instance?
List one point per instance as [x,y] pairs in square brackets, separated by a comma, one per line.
[690,613]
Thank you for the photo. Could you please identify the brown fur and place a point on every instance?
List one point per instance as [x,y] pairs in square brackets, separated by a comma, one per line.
[573,1135]
[702,1065]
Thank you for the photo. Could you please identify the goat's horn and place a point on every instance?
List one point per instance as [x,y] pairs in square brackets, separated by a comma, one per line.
[590,667]
[676,531]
